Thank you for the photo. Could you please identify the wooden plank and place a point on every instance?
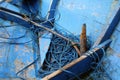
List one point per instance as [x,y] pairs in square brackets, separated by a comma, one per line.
[52,10]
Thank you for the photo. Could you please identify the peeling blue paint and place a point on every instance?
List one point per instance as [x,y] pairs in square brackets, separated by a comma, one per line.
[73,13]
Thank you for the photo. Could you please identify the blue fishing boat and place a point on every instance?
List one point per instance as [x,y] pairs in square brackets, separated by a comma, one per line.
[59,40]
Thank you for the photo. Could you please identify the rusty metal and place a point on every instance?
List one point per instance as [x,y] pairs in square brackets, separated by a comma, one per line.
[83,40]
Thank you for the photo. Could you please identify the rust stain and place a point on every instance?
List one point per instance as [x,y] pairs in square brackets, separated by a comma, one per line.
[110,51]
[114,3]
[16,48]
[83,40]
[26,72]
[8,0]
[26,49]
[1,64]
[118,55]
[18,64]
[1,56]
[2,33]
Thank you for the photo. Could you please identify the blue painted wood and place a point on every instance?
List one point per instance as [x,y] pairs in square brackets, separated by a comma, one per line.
[10,11]
[51,14]
[112,26]
[79,68]
[74,13]
[13,16]
[106,34]
[31,6]
[74,19]
[15,56]
[85,65]
[53,9]
[21,19]
[7,15]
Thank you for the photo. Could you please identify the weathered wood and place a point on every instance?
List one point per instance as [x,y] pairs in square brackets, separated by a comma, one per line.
[83,40]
